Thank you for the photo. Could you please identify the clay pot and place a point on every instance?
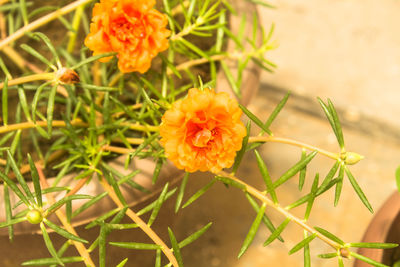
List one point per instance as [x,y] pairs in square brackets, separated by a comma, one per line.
[384,228]
[250,84]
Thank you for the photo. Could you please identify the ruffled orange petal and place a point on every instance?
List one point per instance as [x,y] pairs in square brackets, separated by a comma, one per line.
[203,131]
[132,28]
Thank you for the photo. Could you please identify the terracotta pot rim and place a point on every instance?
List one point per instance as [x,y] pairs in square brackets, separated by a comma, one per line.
[379,229]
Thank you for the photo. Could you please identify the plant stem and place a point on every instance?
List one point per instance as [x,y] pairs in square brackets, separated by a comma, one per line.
[130,140]
[63,219]
[30,124]
[255,139]
[136,219]
[254,192]
[138,127]
[199,61]
[48,76]
[42,21]
[119,150]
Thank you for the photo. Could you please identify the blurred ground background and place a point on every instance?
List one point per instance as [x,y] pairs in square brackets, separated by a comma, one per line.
[345,50]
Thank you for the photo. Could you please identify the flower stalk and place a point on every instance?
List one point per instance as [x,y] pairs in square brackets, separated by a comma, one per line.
[136,219]
[274,139]
[263,198]
[48,76]
[30,125]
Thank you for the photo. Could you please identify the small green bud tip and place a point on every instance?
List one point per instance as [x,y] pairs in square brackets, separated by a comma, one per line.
[352,158]
[34,216]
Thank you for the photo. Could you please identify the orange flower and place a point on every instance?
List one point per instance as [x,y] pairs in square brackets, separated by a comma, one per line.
[132,28]
[203,131]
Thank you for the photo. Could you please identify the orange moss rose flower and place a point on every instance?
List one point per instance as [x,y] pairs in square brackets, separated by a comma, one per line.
[132,28]
[203,131]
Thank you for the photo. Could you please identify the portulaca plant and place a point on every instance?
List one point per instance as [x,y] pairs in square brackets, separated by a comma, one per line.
[137,79]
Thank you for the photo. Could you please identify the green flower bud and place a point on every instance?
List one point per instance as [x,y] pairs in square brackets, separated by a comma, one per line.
[34,216]
[352,158]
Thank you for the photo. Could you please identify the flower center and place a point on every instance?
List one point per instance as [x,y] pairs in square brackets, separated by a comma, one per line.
[201,138]
[125,30]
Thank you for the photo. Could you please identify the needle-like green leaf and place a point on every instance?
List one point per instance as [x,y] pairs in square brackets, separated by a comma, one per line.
[102,245]
[328,177]
[49,244]
[358,189]
[276,110]
[374,245]
[328,255]
[333,120]
[295,169]
[4,101]
[367,260]
[152,205]
[310,203]
[194,236]
[307,256]
[232,82]
[253,230]
[268,223]
[302,174]
[49,261]
[254,118]
[37,55]
[158,258]
[111,180]
[48,43]
[240,154]
[35,180]
[329,235]
[158,205]
[122,263]
[65,200]
[337,123]
[23,102]
[64,232]
[175,247]
[181,192]
[302,243]
[266,177]
[50,109]
[89,204]
[11,222]
[8,210]
[277,232]
[199,193]
[134,245]
[14,188]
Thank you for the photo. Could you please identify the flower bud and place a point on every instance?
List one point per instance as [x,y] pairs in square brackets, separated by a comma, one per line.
[352,158]
[67,76]
[34,216]
[344,252]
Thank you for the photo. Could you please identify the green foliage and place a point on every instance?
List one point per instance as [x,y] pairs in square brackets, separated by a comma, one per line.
[253,230]
[78,125]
